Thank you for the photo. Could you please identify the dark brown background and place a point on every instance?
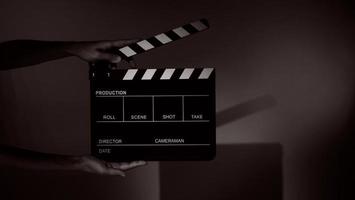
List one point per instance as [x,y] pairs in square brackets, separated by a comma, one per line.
[299,52]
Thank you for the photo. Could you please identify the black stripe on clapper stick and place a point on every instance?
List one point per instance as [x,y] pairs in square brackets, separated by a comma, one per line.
[155,42]
[177,73]
[196,73]
[118,74]
[172,35]
[139,74]
[136,48]
[157,75]
[205,22]
[190,28]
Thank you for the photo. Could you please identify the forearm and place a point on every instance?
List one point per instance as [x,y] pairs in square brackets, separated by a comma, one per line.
[21,158]
[21,53]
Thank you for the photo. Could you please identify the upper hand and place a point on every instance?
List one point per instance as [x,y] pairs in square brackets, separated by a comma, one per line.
[98,51]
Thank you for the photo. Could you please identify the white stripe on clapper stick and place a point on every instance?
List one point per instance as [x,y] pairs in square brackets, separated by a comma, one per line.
[167,74]
[145,45]
[186,73]
[181,32]
[206,72]
[199,25]
[130,74]
[163,38]
[149,73]
[127,51]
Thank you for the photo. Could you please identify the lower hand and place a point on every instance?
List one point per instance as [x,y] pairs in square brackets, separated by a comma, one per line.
[93,165]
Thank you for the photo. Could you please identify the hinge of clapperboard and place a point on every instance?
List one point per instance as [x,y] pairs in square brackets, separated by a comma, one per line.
[128,52]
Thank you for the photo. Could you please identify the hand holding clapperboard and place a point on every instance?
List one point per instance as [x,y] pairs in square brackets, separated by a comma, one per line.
[153,114]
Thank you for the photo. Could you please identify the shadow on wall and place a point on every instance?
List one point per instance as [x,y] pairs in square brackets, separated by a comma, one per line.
[244,109]
[240,171]
[72,185]
[243,172]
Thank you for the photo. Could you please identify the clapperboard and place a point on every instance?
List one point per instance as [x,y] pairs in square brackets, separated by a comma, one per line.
[153,114]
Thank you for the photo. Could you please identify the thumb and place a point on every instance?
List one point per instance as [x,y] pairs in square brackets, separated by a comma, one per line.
[114,172]
[109,57]
[128,165]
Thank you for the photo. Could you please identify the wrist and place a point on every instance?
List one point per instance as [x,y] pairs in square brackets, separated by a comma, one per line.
[75,162]
[69,48]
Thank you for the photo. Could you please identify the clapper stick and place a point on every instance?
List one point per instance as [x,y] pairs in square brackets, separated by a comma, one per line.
[161,39]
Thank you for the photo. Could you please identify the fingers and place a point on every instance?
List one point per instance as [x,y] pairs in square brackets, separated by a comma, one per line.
[114,172]
[102,47]
[127,166]
[93,165]
[116,168]
[122,43]
[132,64]
[112,58]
